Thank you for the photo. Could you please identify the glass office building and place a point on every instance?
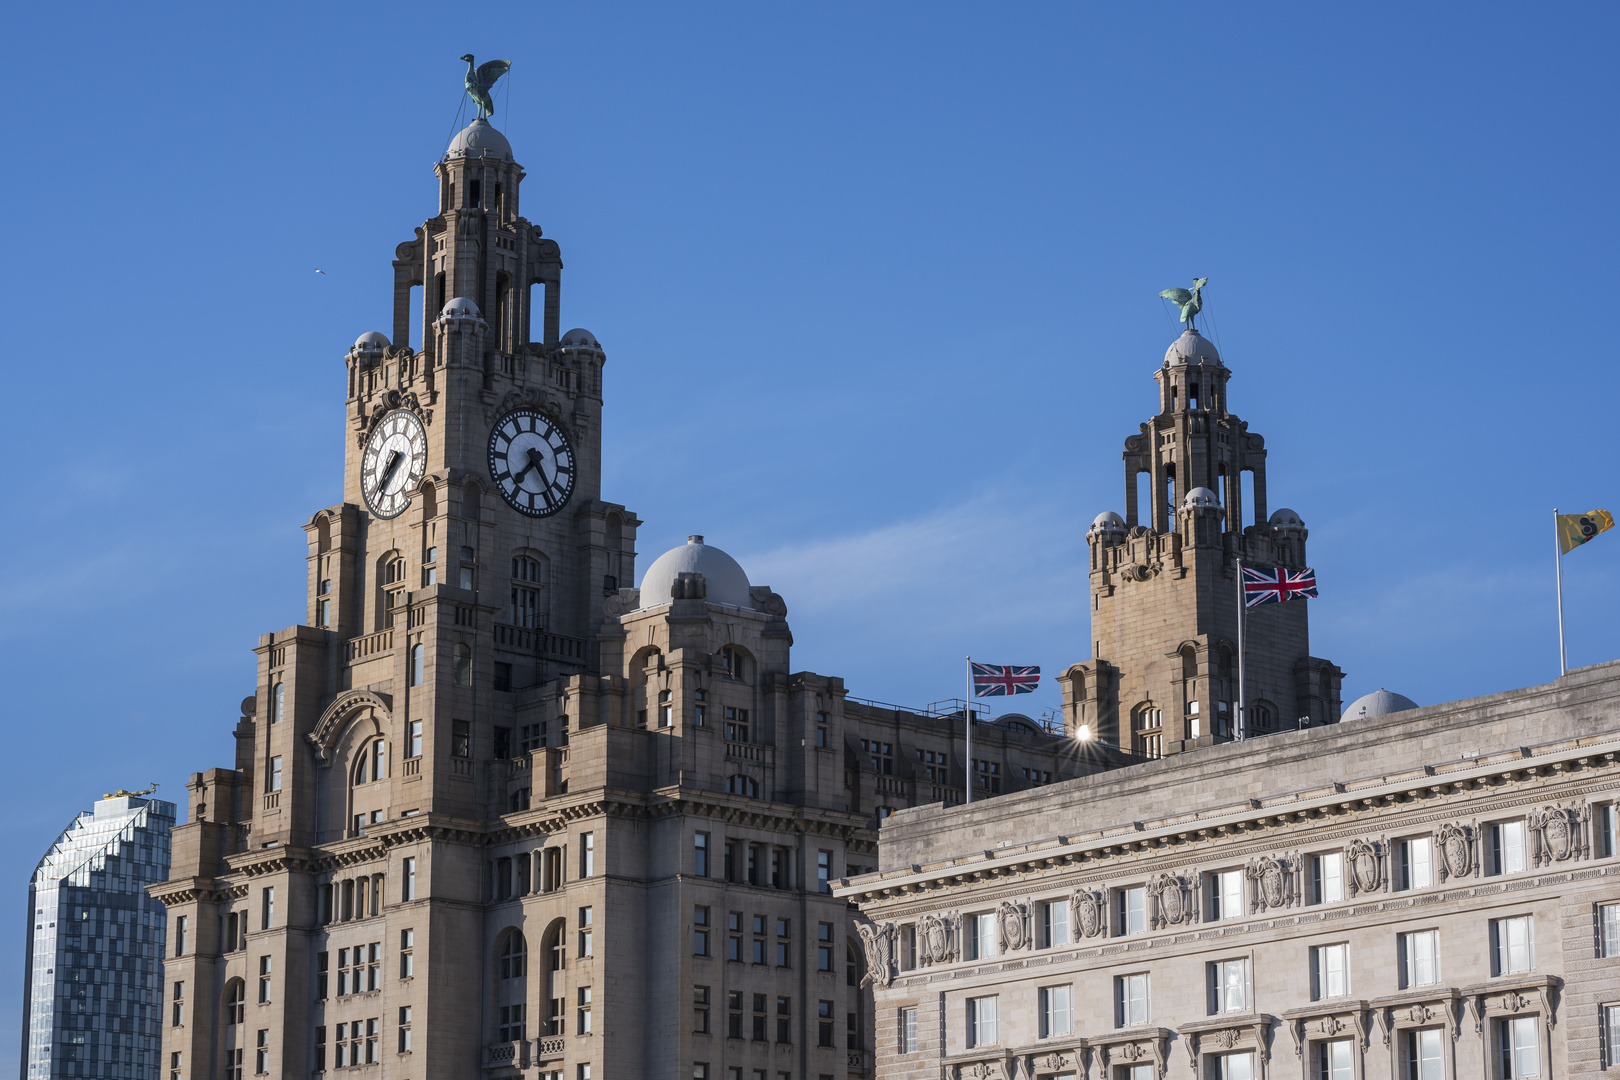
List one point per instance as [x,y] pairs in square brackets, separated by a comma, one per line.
[94,1001]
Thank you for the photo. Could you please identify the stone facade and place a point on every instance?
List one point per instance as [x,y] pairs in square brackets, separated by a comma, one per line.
[493,811]
[1432,893]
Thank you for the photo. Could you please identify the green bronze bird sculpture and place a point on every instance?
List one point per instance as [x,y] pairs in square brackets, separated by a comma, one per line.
[481,80]
[1191,303]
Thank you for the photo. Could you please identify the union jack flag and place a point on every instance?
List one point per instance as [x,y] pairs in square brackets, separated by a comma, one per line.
[1277,585]
[994,680]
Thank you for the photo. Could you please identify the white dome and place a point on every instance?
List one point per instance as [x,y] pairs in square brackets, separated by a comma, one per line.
[460,308]
[1107,520]
[1191,348]
[578,337]
[723,577]
[1200,498]
[1380,702]
[1286,517]
[371,339]
[479,139]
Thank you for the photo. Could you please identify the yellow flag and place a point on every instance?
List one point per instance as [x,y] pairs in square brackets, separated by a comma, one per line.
[1576,529]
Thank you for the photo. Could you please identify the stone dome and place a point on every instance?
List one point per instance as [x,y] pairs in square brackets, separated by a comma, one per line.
[479,139]
[724,578]
[1191,348]
[371,340]
[1107,520]
[1380,702]
[577,338]
[1200,498]
[1286,516]
[460,308]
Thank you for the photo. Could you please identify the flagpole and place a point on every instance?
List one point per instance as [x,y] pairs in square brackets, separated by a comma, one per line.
[1241,726]
[1558,561]
[967,726]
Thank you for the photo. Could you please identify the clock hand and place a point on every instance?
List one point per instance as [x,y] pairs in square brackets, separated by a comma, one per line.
[535,462]
[388,472]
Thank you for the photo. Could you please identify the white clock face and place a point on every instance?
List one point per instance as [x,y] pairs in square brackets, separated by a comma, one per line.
[395,462]
[532,463]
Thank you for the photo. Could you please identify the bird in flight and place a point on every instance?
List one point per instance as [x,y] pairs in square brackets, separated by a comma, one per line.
[318,270]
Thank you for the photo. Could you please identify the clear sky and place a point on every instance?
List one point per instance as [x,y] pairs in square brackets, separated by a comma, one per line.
[878,289]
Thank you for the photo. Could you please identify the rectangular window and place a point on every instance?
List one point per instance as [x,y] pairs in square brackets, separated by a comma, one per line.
[700,931]
[582,1018]
[264,979]
[404,1029]
[982,1016]
[824,871]
[1519,1043]
[320,976]
[1335,1060]
[1056,1016]
[1054,924]
[407,953]
[460,739]
[981,936]
[734,1014]
[824,946]
[1226,894]
[759,1017]
[908,948]
[320,1049]
[1611,1035]
[1229,986]
[1327,878]
[1425,1054]
[408,885]
[587,855]
[587,931]
[1130,910]
[1420,958]
[1416,863]
[1239,1066]
[175,1070]
[1513,945]
[371,1041]
[700,854]
[261,1052]
[1507,848]
[267,909]
[700,1010]
[1330,971]
[340,1047]
[1609,929]
[179,935]
[274,782]
[1130,1000]
[413,739]
[784,1020]
[908,1030]
[178,1018]
[1605,822]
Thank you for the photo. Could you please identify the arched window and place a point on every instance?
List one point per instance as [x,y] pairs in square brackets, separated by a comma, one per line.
[463,665]
[1147,730]
[739,784]
[733,662]
[514,956]
[555,948]
[511,991]
[1262,717]
[416,665]
[235,1017]
[278,702]
[527,601]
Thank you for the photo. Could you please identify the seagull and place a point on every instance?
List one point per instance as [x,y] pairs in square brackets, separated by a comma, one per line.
[318,270]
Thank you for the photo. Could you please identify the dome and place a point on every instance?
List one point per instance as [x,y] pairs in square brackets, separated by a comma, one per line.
[1107,520]
[724,578]
[460,308]
[371,339]
[480,139]
[1191,348]
[1285,516]
[580,338]
[1200,498]
[1380,702]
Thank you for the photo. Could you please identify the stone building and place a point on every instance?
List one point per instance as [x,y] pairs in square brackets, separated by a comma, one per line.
[1163,673]
[492,810]
[93,996]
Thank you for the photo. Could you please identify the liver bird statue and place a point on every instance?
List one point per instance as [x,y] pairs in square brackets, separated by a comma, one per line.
[481,80]
[1191,303]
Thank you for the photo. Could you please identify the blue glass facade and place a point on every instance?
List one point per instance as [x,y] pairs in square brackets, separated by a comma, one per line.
[94,1002]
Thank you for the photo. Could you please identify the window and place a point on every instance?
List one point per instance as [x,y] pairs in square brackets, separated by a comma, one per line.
[178,1018]
[1420,958]
[179,935]
[586,933]
[1038,776]
[1130,910]
[784,947]
[407,889]
[700,854]
[759,940]
[734,1014]
[1327,878]
[700,715]
[981,943]
[1606,830]
[908,947]
[736,725]
[732,662]
[323,607]
[734,942]
[514,956]
[1425,1054]
[510,1023]
[988,774]
[908,1030]
[700,1070]
[416,665]
[1056,1014]
[880,754]
[700,1010]
[1507,848]
[413,739]
[264,979]
[784,1020]
[700,930]
[460,739]
[461,665]
[1229,986]
[582,1011]
[1335,1060]
[587,855]
[759,1017]
[175,1070]
[1147,731]
[261,1051]
[1330,971]
[824,946]
[1513,945]
[1609,929]
[1519,1043]
[1054,929]
[501,672]
[1226,894]
[1238,1066]
[1130,1000]
[278,703]
[267,909]
[982,1013]
[404,1029]
[823,871]
[1416,863]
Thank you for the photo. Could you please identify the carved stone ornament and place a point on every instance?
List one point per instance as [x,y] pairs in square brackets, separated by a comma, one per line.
[1270,877]
[1171,906]
[1330,1025]
[1054,1062]
[1088,912]
[1010,926]
[1456,850]
[937,938]
[1365,867]
[1132,1052]
[1554,827]
[1226,1038]
[528,397]
[984,1070]
[878,942]
[387,402]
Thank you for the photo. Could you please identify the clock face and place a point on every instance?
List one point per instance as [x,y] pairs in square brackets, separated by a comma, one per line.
[532,463]
[395,462]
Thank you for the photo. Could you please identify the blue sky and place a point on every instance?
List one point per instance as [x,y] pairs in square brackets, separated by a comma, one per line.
[877,286]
